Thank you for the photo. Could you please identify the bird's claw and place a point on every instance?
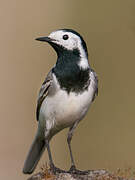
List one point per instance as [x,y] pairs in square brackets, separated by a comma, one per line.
[56,170]
[73,170]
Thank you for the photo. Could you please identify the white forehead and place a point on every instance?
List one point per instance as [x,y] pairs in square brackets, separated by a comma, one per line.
[60,33]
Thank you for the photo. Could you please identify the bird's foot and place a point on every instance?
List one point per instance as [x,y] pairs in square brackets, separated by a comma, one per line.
[56,170]
[73,170]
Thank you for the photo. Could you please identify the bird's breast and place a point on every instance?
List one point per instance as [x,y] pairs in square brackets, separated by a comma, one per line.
[63,109]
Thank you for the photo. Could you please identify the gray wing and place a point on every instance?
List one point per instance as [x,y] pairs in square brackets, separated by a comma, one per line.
[43,92]
[95,85]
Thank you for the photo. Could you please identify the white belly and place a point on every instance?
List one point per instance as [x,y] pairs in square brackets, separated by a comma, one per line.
[61,110]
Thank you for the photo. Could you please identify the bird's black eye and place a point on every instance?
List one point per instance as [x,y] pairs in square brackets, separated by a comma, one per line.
[65,37]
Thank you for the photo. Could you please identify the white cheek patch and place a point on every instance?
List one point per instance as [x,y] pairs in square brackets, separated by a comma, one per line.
[70,44]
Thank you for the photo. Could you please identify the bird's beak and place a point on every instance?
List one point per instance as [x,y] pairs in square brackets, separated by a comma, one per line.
[46,39]
[51,41]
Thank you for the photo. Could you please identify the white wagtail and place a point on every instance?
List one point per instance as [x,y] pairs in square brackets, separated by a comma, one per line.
[65,95]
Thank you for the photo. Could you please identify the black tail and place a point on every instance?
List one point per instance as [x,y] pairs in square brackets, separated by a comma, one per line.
[35,152]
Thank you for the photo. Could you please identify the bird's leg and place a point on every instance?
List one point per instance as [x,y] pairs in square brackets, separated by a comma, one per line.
[69,138]
[49,153]
[73,169]
[52,166]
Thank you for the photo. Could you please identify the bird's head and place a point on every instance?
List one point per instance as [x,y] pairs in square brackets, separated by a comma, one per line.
[66,40]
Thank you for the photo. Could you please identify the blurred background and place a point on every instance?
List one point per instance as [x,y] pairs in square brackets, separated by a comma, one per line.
[105,138]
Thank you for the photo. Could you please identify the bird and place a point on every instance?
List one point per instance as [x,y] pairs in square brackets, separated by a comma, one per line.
[65,95]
